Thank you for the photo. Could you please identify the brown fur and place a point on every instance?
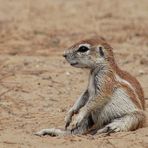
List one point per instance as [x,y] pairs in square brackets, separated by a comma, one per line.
[123,74]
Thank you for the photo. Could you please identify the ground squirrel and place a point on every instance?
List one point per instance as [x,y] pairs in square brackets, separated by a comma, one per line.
[113,101]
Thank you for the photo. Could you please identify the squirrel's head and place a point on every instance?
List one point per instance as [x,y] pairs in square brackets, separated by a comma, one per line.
[89,53]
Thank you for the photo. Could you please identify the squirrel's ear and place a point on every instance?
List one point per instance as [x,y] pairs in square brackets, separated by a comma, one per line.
[100,50]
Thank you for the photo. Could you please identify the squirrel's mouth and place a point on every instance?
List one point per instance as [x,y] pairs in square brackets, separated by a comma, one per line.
[73,63]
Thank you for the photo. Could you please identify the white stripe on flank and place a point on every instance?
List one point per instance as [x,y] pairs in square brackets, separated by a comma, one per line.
[126,82]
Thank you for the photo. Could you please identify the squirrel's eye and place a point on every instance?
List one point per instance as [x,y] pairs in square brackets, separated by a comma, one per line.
[83,49]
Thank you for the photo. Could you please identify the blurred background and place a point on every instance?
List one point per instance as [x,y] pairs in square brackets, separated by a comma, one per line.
[37,86]
[38,25]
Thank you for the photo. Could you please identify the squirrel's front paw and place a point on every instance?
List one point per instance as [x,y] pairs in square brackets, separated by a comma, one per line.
[67,121]
[79,120]
[68,118]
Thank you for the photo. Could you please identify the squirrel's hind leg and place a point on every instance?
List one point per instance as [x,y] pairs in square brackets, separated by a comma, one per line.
[53,132]
[83,129]
[126,123]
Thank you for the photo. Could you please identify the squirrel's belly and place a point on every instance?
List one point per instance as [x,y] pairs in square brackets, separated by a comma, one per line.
[119,105]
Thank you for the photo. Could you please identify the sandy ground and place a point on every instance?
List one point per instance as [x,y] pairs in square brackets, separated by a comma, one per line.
[37,86]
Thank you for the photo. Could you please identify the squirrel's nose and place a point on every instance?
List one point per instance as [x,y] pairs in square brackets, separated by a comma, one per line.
[64,55]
